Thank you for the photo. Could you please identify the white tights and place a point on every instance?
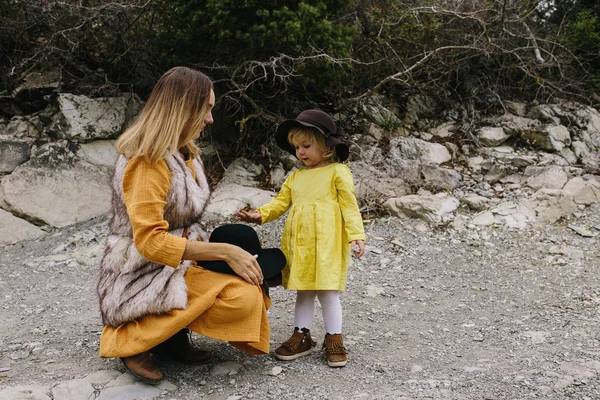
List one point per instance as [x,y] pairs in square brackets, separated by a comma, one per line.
[330,303]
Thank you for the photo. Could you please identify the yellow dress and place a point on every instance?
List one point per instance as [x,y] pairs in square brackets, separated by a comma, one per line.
[323,219]
[220,306]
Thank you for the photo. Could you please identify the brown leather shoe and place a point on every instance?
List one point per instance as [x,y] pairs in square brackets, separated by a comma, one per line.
[142,367]
[179,348]
[335,350]
[298,345]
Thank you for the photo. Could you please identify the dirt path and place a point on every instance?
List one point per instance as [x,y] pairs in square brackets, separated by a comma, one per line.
[429,314]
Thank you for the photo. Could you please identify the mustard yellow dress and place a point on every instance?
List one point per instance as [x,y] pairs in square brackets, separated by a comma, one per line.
[323,219]
[220,306]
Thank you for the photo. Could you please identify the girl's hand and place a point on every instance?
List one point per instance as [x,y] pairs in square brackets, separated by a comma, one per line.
[358,248]
[244,264]
[248,216]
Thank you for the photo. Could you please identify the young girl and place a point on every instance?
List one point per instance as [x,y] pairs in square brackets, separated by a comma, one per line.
[323,225]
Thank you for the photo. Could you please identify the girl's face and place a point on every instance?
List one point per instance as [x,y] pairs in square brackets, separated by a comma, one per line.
[308,152]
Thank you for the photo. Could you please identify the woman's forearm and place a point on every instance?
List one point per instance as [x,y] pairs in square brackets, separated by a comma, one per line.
[205,251]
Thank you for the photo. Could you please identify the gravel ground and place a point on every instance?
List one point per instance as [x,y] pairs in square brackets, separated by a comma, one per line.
[486,313]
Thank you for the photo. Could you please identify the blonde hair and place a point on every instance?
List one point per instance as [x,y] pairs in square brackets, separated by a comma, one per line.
[299,133]
[173,114]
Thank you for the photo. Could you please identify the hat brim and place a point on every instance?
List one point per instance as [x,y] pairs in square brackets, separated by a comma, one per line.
[271,262]
[281,138]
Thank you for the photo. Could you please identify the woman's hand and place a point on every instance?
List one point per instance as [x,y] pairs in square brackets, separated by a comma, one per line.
[244,264]
[358,248]
[248,216]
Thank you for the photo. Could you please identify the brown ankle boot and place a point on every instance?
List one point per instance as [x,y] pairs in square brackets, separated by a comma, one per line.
[298,345]
[180,348]
[335,350]
[142,367]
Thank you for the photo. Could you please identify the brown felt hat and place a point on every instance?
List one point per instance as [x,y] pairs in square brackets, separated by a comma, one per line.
[319,120]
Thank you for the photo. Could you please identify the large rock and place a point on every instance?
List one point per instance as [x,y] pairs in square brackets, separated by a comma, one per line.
[242,172]
[25,392]
[12,154]
[83,119]
[431,208]
[13,229]
[229,198]
[235,191]
[20,128]
[56,188]
[416,149]
[553,177]
[440,178]
[492,136]
[548,137]
[552,205]
[584,191]
[101,153]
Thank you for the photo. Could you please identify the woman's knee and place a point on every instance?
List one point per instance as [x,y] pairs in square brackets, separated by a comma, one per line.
[242,294]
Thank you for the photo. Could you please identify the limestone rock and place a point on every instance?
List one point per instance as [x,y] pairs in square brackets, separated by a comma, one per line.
[492,136]
[56,189]
[13,229]
[101,153]
[12,154]
[431,208]
[440,178]
[584,191]
[83,119]
[548,137]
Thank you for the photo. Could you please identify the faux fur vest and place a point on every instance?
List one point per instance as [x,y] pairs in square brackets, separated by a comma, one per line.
[130,286]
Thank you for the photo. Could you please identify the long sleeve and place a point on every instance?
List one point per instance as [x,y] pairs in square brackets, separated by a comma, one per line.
[280,204]
[145,188]
[344,185]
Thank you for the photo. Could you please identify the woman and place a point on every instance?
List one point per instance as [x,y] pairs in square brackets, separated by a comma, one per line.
[150,290]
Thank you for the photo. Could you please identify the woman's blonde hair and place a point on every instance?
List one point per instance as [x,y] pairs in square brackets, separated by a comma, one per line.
[173,114]
[299,133]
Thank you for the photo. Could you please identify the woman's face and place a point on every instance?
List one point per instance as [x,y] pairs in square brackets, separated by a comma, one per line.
[208,117]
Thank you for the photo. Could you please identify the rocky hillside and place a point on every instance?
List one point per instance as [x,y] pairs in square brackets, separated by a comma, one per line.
[531,164]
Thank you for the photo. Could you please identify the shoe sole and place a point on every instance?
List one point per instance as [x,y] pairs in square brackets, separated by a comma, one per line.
[293,356]
[337,364]
[139,377]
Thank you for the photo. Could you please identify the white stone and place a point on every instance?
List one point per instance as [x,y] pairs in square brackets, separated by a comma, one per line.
[58,196]
[229,198]
[492,136]
[83,119]
[102,377]
[129,392]
[25,392]
[12,154]
[551,205]
[73,389]
[485,218]
[373,291]
[13,229]
[583,191]
[553,177]
[581,231]
[432,208]
[409,148]
[444,130]
[226,368]
[101,153]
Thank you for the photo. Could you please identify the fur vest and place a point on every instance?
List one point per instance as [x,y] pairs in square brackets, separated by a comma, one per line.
[130,286]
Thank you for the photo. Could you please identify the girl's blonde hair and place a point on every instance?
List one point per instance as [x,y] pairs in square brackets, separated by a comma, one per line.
[173,114]
[299,133]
